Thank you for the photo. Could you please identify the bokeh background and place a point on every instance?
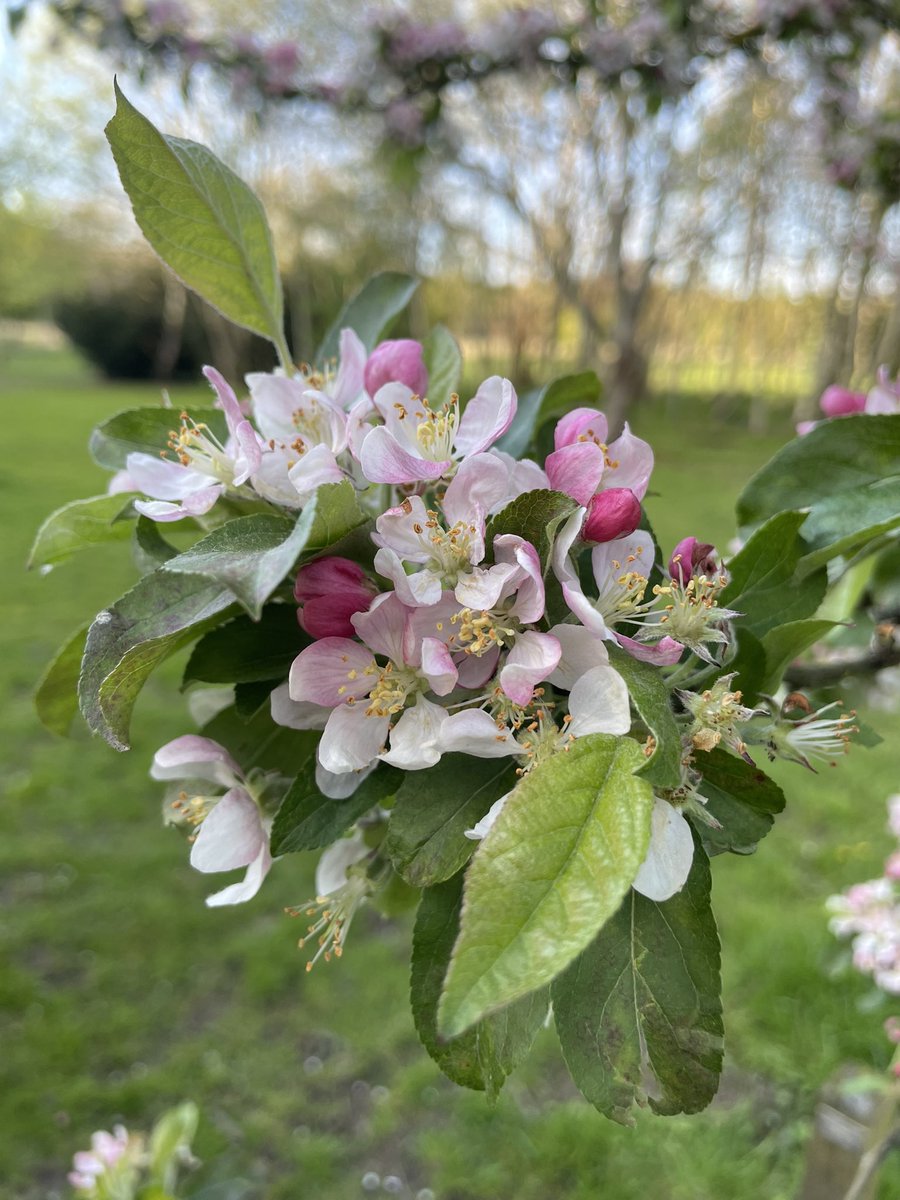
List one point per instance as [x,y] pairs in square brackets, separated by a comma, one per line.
[712,226]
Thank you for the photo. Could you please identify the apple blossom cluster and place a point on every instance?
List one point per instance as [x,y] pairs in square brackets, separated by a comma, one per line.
[124,1166]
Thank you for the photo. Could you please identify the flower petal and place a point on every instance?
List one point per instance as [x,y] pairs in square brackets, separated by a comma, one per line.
[352,741]
[331,871]
[588,423]
[384,460]
[630,463]
[598,703]
[195,757]
[668,863]
[581,650]
[317,466]
[415,738]
[437,666]
[246,889]
[487,416]
[533,657]
[488,821]
[665,653]
[384,627]
[481,482]
[230,836]
[576,470]
[339,787]
[348,383]
[332,671]
[296,714]
[475,732]
[421,588]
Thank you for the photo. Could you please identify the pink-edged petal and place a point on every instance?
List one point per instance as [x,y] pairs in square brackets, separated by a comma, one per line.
[195,757]
[163,479]
[480,483]
[598,703]
[576,470]
[317,466]
[630,463]
[483,827]
[483,587]
[668,863]
[384,627]
[359,424]
[332,671]
[225,398]
[487,416]
[533,657]
[194,506]
[415,738]
[587,423]
[332,868]
[837,401]
[664,653]
[296,714]
[402,529]
[581,650]
[563,568]
[525,476]
[246,889]
[231,836]
[529,605]
[475,732]
[340,787]
[352,741]
[348,383]
[121,482]
[437,666]
[384,460]
[585,611]
[247,452]
[420,589]
[475,670]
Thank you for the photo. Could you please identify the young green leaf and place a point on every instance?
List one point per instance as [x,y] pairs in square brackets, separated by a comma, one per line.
[146,431]
[246,651]
[741,797]
[783,643]
[369,312]
[444,363]
[202,221]
[845,523]
[128,641]
[56,696]
[643,1002]
[78,526]
[764,588]
[651,698]
[548,404]
[308,820]
[551,872]
[426,839]
[535,516]
[482,1057]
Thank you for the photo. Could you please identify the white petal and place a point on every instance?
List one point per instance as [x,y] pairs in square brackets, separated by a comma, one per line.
[475,732]
[668,863]
[415,738]
[195,757]
[230,836]
[331,872]
[296,714]
[339,787]
[352,741]
[237,893]
[598,703]
[533,657]
[581,650]
[487,822]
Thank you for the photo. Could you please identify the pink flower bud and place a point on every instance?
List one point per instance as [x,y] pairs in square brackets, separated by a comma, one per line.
[329,591]
[611,514]
[837,401]
[691,557]
[396,362]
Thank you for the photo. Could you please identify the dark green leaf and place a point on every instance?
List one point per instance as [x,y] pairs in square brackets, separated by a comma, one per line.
[535,516]
[250,698]
[742,798]
[145,431]
[783,643]
[150,549]
[651,698]
[56,696]
[261,743]
[246,651]
[426,838]
[308,820]
[128,641]
[201,219]
[764,588]
[485,1055]
[444,363]
[369,312]
[642,1003]
[549,404]
[251,555]
[552,871]
[78,526]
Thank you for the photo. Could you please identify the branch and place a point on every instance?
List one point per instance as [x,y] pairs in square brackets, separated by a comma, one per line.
[884,653]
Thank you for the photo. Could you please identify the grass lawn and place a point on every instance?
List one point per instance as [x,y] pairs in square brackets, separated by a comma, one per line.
[121,994]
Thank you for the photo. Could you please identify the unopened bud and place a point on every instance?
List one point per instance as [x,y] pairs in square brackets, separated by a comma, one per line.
[329,591]
[837,401]
[397,361]
[611,514]
[691,557]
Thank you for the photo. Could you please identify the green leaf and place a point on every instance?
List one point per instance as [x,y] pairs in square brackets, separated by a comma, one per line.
[246,651]
[444,363]
[643,1003]
[369,312]
[261,743]
[551,872]
[146,431]
[651,698]
[549,404]
[78,526]
[149,548]
[535,516]
[251,555]
[251,698]
[749,664]
[307,820]
[56,695]
[764,588]
[201,219]
[482,1057]
[426,838]
[128,641]
[844,523]
[742,798]
[171,1137]
[783,643]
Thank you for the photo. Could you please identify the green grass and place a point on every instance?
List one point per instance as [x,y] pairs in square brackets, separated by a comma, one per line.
[121,994]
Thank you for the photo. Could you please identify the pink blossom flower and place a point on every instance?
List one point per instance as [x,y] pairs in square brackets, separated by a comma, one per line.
[837,401]
[111,1155]
[884,398]
[410,533]
[397,361]
[418,443]
[233,831]
[691,557]
[582,463]
[329,591]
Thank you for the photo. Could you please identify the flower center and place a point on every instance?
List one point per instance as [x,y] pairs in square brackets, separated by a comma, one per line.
[436,428]
[194,445]
[312,424]
[477,632]
[391,690]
